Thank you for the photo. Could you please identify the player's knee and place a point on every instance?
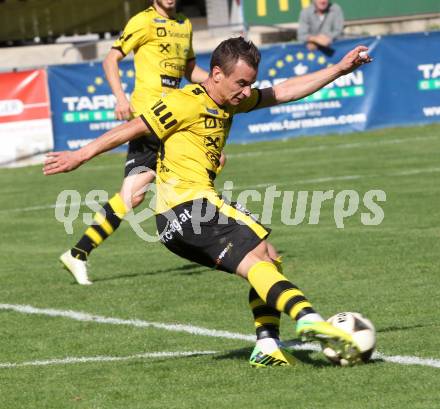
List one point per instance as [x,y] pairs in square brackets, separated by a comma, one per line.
[266,251]
[261,252]
[258,254]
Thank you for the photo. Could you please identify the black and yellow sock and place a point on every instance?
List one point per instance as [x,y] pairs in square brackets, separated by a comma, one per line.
[106,222]
[266,318]
[278,292]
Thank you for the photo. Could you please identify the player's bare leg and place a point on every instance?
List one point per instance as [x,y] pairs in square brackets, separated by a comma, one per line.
[106,222]
[134,188]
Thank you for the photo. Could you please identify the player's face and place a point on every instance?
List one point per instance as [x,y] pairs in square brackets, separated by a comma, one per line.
[167,5]
[237,85]
[321,5]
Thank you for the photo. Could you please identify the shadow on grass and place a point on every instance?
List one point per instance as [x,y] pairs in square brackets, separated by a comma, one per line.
[299,350]
[187,269]
[303,356]
[405,327]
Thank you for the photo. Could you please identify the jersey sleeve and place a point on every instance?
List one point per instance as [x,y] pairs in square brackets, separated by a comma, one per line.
[166,115]
[250,103]
[135,34]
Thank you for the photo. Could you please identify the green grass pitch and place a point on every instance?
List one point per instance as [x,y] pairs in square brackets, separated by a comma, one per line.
[389,272]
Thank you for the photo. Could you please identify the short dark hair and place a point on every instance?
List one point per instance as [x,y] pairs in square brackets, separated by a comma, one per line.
[228,52]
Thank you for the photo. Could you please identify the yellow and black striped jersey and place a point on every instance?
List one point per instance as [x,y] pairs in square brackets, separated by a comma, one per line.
[161,47]
[193,130]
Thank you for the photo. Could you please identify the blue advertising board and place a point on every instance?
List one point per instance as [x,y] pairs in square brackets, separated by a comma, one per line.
[82,102]
[342,106]
[401,87]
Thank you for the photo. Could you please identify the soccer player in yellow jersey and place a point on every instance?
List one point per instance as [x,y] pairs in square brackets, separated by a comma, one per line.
[192,220]
[161,40]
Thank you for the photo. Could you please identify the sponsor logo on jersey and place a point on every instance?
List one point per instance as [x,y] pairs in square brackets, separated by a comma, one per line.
[161,31]
[159,20]
[174,64]
[210,122]
[165,116]
[214,158]
[164,48]
[179,35]
[212,141]
[170,82]
[213,122]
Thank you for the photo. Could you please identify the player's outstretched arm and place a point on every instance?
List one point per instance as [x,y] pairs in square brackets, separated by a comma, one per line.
[66,161]
[299,87]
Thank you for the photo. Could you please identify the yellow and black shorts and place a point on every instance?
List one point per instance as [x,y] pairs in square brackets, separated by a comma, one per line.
[217,237]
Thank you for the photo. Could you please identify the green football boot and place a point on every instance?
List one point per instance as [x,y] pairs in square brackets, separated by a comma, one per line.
[329,336]
[279,357]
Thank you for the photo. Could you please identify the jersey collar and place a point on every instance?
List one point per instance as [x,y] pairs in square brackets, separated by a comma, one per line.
[160,15]
[223,107]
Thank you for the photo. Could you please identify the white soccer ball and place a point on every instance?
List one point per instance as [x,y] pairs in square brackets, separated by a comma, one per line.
[363,332]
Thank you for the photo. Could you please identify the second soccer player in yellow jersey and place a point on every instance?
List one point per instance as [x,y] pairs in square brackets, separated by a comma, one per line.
[161,41]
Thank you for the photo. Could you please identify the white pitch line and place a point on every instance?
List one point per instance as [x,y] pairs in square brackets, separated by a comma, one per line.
[411,172]
[397,359]
[85,359]
[408,360]
[42,207]
[81,316]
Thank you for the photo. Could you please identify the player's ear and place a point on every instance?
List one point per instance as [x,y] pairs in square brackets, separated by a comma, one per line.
[217,74]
